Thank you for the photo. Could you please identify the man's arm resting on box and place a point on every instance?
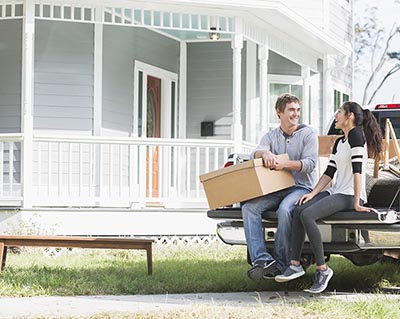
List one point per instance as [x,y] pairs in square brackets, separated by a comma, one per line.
[274,162]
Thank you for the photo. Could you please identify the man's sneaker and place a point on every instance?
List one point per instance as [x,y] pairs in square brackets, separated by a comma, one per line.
[321,280]
[273,274]
[292,272]
[261,268]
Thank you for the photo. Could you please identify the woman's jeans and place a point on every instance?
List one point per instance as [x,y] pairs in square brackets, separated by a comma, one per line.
[283,202]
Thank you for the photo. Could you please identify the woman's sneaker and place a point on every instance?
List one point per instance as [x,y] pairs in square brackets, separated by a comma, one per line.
[321,280]
[261,268]
[292,272]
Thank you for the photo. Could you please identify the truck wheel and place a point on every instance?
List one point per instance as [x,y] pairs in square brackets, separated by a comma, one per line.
[363,259]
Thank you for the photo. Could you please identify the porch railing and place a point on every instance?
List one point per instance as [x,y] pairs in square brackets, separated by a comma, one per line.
[124,172]
[10,169]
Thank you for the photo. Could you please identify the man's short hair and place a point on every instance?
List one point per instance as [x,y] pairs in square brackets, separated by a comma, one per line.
[285,99]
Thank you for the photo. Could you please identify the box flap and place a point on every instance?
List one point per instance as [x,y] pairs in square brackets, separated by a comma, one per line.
[226,170]
[229,169]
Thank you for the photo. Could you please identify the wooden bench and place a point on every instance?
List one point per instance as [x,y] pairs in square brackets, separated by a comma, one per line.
[77,242]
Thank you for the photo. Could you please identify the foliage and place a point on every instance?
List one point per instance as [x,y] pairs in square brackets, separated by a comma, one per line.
[368,33]
[372,58]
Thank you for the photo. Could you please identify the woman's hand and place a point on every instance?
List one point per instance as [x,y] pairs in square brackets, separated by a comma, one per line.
[305,198]
[363,209]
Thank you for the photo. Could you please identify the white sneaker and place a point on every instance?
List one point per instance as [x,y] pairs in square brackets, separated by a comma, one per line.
[292,272]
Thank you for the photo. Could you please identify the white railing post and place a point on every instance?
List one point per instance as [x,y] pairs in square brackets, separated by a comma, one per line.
[142,175]
[27,101]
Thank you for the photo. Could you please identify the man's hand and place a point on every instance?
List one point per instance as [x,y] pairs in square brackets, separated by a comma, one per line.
[280,164]
[269,159]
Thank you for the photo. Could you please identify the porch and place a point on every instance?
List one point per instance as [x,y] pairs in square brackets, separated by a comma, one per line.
[120,172]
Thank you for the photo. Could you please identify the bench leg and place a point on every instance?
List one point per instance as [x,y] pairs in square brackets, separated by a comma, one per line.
[3,255]
[149,260]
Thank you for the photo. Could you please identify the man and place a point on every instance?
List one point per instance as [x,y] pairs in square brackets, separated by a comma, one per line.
[301,144]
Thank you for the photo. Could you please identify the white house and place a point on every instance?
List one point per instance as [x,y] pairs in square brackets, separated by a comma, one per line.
[110,110]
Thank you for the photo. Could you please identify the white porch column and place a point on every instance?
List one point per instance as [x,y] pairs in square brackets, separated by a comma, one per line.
[98,73]
[263,55]
[328,102]
[27,100]
[237,45]
[251,92]
[305,108]
[182,90]
[98,101]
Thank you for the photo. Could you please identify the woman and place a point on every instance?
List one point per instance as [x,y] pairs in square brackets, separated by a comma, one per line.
[348,160]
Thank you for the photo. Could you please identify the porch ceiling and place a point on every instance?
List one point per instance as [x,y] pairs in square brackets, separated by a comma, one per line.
[189,36]
[277,18]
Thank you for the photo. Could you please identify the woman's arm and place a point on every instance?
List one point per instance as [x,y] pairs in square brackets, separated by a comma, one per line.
[357,141]
[322,183]
[357,192]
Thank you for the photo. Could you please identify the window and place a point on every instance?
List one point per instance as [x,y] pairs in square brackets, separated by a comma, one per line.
[339,98]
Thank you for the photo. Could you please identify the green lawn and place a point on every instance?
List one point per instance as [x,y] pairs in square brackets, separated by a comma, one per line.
[191,269]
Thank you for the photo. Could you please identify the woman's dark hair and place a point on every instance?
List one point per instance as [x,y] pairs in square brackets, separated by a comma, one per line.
[370,126]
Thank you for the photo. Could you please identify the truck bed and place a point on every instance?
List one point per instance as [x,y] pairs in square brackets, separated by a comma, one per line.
[343,217]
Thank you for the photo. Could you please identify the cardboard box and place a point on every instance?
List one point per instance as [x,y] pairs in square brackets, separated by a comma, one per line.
[243,181]
[325,144]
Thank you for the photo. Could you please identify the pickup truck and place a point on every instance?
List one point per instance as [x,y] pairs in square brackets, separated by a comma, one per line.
[363,238]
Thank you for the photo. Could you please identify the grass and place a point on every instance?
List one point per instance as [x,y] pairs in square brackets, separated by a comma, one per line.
[210,268]
[193,269]
[373,309]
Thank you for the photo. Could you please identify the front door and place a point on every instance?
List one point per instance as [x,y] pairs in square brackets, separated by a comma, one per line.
[153,130]
[155,116]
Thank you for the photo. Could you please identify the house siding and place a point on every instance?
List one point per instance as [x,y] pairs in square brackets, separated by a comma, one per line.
[122,46]
[209,87]
[312,10]
[340,25]
[63,76]
[10,76]
[209,91]
[278,64]
[339,13]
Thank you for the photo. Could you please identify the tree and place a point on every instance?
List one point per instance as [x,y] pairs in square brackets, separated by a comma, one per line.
[368,37]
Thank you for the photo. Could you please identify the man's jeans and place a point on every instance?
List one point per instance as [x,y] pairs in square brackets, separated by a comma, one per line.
[283,202]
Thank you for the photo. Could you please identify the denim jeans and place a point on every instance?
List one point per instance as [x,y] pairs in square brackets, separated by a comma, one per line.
[283,202]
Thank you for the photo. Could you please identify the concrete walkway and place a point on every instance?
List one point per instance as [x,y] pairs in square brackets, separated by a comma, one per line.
[82,306]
